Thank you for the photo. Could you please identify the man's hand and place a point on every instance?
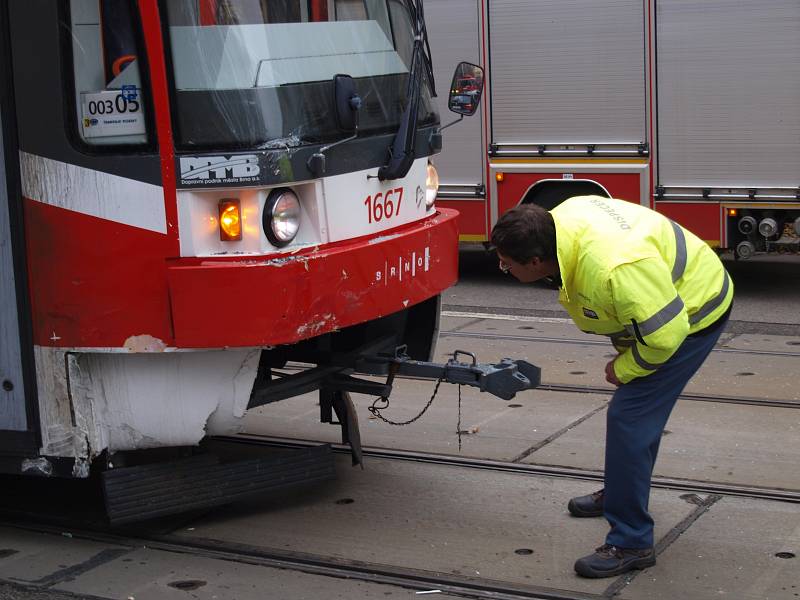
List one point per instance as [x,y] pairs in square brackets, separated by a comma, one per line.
[611,376]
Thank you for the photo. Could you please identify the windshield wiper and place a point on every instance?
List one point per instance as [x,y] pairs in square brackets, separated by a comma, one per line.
[401,152]
[347,103]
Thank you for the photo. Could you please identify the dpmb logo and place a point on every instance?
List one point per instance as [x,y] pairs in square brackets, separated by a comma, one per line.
[220,169]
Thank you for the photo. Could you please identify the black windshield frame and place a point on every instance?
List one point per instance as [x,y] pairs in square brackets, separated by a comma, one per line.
[203,120]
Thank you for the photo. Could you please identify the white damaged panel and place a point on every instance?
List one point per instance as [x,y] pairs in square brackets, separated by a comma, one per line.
[91,402]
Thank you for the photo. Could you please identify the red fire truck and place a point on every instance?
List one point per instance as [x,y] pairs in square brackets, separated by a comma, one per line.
[195,192]
[686,106]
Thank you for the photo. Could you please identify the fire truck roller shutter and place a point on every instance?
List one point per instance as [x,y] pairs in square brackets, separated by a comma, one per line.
[567,72]
[454,31]
[728,94]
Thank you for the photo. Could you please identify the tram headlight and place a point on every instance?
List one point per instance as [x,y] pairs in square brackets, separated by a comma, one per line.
[281,218]
[431,186]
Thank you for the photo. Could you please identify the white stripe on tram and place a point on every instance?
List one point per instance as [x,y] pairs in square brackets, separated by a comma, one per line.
[94,193]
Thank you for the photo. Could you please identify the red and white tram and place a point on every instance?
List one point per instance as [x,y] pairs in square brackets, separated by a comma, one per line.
[194,192]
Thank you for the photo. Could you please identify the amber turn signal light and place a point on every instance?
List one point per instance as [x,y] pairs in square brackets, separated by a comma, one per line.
[499,176]
[732,212]
[230,220]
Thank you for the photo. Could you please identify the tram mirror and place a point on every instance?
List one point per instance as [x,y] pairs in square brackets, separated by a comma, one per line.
[347,102]
[466,89]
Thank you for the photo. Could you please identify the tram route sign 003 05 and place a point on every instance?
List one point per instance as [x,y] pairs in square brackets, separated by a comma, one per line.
[111,113]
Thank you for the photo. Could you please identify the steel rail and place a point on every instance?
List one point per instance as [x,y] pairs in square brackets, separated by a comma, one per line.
[596,389]
[329,566]
[408,578]
[589,389]
[505,313]
[685,485]
[556,387]
[574,342]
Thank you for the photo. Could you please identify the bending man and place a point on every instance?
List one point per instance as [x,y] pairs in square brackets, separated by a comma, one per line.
[663,297]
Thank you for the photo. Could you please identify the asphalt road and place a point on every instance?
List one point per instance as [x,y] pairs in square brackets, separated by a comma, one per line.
[432,517]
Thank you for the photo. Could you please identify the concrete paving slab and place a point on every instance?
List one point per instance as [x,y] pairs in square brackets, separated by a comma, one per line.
[561,328]
[436,518]
[729,552]
[150,574]
[763,343]
[39,558]
[738,444]
[583,362]
[493,428]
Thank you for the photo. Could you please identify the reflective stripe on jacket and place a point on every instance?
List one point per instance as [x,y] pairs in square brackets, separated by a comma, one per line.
[636,276]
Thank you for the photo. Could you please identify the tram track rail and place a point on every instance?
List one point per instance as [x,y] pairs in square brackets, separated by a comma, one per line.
[159,537]
[505,313]
[607,391]
[748,401]
[586,389]
[678,484]
[314,564]
[575,342]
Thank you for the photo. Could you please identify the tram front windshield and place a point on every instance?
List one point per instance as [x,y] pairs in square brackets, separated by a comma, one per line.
[259,73]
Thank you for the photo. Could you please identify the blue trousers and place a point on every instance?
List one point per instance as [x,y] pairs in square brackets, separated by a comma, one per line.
[635,422]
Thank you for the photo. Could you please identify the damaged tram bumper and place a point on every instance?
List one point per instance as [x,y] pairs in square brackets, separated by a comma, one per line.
[367,306]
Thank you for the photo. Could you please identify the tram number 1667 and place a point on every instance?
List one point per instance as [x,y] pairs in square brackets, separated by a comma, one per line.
[119,105]
[384,205]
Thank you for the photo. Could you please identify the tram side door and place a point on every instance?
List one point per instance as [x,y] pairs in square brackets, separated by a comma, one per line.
[17,417]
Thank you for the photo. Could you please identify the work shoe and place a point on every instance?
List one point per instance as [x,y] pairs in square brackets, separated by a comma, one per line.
[587,506]
[608,561]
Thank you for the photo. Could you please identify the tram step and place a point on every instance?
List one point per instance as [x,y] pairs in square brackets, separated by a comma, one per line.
[148,491]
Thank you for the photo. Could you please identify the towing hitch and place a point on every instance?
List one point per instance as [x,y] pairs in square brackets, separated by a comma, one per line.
[503,379]
[334,380]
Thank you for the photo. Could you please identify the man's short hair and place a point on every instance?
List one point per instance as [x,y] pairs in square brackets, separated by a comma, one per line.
[524,232]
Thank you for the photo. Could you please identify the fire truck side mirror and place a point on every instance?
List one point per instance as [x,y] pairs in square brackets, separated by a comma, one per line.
[466,89]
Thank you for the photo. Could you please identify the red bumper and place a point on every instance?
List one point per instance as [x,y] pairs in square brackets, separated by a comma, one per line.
[288,298]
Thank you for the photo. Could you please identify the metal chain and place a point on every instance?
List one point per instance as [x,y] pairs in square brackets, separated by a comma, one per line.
[375,409]
[458,426]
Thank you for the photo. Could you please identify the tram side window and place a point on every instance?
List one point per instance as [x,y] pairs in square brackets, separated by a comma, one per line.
[108,87]
[258,12]
[238,12]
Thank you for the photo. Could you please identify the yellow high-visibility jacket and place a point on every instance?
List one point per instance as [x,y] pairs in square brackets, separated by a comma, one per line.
[636,276]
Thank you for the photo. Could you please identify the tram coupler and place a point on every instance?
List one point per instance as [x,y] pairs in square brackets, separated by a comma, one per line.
[503,379]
